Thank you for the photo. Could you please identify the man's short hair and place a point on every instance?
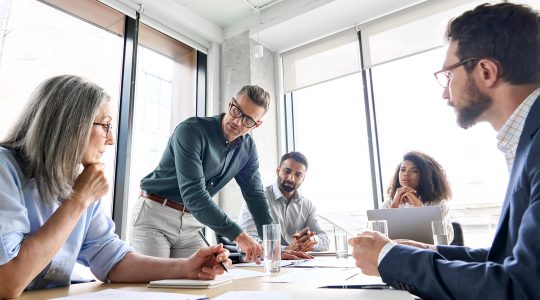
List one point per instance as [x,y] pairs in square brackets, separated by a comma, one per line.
[294,155]
[507,33]
[256,94]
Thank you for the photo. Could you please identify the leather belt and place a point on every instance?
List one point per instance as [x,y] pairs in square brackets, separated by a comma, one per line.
[165,202]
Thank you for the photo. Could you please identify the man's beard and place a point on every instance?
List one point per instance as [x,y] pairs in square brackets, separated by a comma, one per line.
[287,188]
[477,104]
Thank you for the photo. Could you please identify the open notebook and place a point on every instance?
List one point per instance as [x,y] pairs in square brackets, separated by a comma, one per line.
[190,283]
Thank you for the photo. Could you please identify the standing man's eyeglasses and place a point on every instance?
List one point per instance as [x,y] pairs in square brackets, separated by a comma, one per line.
[443,76]
[106,126]
[236,112]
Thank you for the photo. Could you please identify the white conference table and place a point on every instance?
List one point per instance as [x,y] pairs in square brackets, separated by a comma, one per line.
[295,290]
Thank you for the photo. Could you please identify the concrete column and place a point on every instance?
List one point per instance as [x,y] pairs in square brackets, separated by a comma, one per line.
[238,67]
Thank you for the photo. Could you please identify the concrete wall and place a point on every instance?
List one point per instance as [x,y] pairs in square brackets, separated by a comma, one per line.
[238,67]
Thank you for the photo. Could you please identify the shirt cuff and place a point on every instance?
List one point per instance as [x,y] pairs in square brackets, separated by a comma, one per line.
[385,249]
[433,247]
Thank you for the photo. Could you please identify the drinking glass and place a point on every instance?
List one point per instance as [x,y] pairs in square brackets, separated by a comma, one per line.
[272,248]
[440,232]
[379,226]
[342,248]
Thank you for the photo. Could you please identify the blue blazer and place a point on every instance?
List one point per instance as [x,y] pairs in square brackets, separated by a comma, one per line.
[510,268]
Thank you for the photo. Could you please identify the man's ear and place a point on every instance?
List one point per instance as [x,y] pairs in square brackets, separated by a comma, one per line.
[277,169]
[489,71]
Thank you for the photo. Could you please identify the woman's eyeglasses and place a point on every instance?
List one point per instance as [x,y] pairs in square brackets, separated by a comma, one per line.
[106,126]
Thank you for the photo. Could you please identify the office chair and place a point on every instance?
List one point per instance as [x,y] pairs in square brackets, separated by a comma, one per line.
[235,255]
[458,235]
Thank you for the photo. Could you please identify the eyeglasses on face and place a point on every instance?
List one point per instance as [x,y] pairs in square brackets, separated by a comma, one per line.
[106,126]
[236,112]
[443,76]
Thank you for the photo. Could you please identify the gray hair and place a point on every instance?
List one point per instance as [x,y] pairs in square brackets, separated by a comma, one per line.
[52,133]
[256,94]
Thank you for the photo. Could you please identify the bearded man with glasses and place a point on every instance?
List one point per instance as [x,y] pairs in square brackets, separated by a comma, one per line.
[491,74]
[202,156]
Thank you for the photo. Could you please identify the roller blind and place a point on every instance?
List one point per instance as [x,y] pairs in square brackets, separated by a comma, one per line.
[331,57]
[410,31]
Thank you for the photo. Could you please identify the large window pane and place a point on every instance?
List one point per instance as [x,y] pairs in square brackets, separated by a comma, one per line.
[411,115]
[40,41]
[330,129]
[164,96]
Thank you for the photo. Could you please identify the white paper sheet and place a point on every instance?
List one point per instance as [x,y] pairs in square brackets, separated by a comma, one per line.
[111,294]
[240,273]
[283,263]
[323,277]
[259,295]
[324,262]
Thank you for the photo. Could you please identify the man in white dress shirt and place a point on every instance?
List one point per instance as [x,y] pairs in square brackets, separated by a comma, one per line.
[296,215]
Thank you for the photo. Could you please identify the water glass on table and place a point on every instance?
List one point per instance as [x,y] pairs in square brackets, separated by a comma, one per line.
[342,247]
[440,232]
[379,226]
[272,248]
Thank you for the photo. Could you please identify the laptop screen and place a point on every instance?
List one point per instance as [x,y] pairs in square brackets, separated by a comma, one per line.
[412,223]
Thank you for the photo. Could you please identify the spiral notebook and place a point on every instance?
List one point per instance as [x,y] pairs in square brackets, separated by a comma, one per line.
[190,283]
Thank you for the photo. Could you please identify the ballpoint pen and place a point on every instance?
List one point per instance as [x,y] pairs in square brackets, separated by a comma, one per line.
[208,244]
[358,286]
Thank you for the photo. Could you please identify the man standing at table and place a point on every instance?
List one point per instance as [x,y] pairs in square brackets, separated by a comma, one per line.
[491,74]
[202,156]
[296,214]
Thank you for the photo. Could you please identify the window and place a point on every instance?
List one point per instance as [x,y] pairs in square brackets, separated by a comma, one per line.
[39,41]
[164,96]
[330,129]
[411,115]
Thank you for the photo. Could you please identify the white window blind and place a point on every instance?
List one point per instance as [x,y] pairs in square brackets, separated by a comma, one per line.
[411,31]
[329,58]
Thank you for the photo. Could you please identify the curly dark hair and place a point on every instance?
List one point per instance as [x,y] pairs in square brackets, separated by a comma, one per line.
[506,33]
[433,187]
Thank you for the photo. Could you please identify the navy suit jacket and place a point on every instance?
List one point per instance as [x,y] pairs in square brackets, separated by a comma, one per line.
[510,268]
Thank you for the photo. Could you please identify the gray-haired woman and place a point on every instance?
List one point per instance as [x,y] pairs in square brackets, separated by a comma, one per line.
[50,213]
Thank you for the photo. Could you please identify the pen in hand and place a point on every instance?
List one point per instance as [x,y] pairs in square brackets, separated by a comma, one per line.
[207,244]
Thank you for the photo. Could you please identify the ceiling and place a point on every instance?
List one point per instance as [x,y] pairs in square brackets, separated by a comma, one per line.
[224,13]
[280,25]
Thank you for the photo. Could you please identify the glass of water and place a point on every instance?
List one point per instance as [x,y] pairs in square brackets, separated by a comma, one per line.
[272,248]
[342,249]
[440,232]
[379,226]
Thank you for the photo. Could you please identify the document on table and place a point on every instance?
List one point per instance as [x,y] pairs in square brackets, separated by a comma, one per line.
[190,283]
[322,253]
[112,294]
[283,263]
[324,262]
[237,273]
[324,277]
[259,295]
[327,294]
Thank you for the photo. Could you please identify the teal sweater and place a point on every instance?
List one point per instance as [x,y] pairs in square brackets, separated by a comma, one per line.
[198,162]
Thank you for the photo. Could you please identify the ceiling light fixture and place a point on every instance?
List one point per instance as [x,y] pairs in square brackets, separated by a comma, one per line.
[258,50]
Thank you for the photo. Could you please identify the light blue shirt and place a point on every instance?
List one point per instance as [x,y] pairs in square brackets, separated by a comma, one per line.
[91,243]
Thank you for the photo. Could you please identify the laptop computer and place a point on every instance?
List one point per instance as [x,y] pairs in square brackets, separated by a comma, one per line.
[412,223]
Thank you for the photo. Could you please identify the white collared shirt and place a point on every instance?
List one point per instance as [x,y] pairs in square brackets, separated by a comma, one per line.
[293,216]
[510,133]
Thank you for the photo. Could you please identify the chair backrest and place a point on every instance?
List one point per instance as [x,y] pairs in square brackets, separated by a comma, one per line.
[235,255]
[458,235]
